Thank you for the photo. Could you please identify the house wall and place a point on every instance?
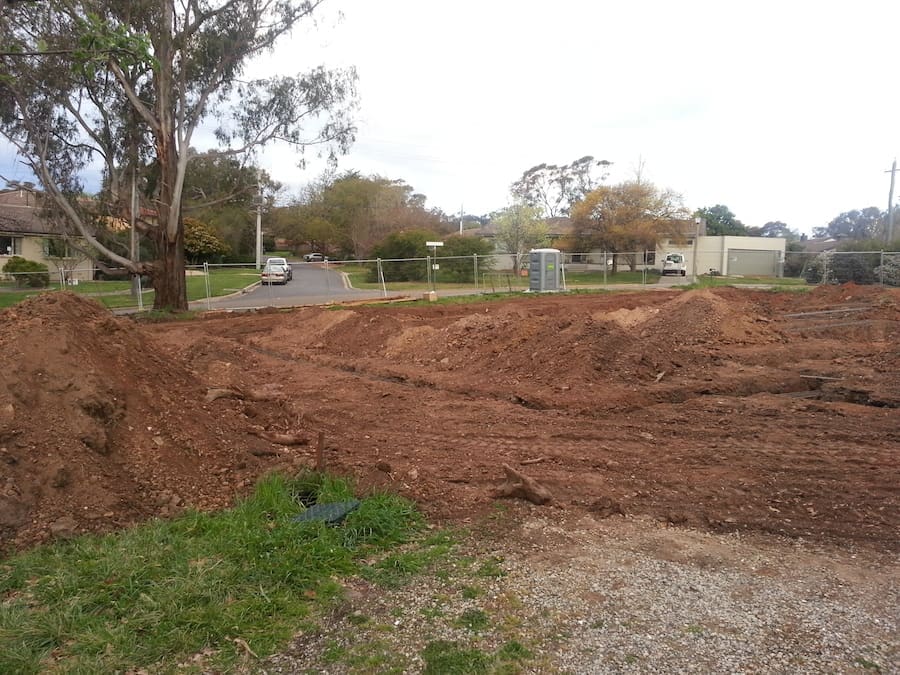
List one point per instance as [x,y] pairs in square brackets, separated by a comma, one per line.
[31,247]
[722,252]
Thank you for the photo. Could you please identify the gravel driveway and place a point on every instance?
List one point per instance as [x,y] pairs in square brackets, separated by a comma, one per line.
[622,595]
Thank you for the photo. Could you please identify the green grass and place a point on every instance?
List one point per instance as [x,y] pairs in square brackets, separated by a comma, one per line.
[709,282]
[620,277]
[156,595]
[116,294]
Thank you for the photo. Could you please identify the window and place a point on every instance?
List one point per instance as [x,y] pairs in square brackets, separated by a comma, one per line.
[56,248]
[10,245]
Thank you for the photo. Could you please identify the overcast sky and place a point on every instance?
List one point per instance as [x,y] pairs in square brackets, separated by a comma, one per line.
[780,110]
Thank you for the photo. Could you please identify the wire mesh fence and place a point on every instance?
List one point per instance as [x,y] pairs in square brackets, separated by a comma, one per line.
[239,286]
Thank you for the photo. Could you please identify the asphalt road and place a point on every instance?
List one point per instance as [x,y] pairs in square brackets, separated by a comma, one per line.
[313,284]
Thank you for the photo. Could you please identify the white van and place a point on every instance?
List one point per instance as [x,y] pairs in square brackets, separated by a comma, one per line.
[674,263]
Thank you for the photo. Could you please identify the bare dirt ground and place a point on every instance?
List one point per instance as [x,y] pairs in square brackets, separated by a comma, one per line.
[727,410]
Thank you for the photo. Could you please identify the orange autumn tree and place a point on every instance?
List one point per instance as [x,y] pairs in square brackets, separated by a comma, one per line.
[629,217]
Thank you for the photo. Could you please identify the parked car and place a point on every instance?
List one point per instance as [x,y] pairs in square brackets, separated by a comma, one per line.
[674,263]
[289,272]
[273,273]
[314,257]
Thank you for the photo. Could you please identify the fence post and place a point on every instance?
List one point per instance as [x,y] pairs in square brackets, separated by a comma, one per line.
[380,270]
[475,269]
[206,277]
[825,269]
[881,269]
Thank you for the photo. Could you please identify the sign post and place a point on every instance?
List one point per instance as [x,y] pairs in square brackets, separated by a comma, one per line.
[433,245]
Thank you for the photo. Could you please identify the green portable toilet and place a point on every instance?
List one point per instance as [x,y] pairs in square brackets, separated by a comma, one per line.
[544,270]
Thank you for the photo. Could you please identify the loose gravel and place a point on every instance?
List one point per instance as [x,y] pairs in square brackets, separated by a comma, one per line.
[619,595]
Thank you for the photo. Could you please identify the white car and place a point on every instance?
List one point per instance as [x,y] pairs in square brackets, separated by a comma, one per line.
[288,272]
[314,257]
[674,263]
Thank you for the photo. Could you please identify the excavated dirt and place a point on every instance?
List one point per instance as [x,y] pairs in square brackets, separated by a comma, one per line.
[726,410]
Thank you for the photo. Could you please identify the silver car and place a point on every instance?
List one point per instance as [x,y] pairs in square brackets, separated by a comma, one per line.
[289,273]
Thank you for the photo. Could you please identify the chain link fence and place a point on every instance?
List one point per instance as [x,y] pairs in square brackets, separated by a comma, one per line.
[840,267]
[238,286]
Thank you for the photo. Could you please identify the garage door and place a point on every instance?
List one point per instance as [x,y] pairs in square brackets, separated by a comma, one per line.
[750,263]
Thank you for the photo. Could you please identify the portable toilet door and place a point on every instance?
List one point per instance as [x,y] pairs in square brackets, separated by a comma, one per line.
[544,270]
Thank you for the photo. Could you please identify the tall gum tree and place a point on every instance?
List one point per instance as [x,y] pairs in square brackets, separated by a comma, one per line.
[128,84]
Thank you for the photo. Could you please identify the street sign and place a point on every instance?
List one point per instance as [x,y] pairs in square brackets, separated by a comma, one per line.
[434,243]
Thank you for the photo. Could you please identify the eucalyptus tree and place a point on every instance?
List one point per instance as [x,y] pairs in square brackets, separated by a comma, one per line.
[127,85]
[552,189]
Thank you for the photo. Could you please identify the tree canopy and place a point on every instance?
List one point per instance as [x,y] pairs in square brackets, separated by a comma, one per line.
[720,221]
[128,84]
[855,224]
[552,189]
[519,229]
[628,217]
[348,215]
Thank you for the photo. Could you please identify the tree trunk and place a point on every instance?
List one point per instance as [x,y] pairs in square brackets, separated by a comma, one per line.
[168,274]
[168,277]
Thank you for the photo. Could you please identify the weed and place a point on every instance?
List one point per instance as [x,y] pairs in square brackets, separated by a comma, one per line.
[514,651]
[470,592]
[491,568]
[867,665]
[475,620]
[443,657]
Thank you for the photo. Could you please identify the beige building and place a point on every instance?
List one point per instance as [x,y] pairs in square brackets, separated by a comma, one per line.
[25,232]
[731,255]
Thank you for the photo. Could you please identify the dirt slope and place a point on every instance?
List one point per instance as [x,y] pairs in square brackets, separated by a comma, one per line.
[723,410]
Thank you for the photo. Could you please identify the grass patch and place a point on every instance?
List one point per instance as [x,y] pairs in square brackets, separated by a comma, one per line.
[787,283]
[154,596]
[475,620]
[620,277]
[443,657]
[117,294]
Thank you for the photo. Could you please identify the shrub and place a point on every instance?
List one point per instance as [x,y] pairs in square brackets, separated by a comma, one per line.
[27,272]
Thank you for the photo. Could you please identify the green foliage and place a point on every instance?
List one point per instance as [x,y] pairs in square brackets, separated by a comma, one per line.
[841,268]
[395,252]
[456,258]
[153,596]
[855,224]
[27,272]
[443,657]
[889,271]
[475,620]
[520,229]
[201,242]
[346,216]
[130,83]
[99,41]
[720,220]
[551,190]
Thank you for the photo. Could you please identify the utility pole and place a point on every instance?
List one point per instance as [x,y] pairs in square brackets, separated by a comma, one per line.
[258,219]
[890,223]
[460,218]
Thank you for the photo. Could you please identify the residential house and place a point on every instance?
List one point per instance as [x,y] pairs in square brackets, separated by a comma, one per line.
[26,232]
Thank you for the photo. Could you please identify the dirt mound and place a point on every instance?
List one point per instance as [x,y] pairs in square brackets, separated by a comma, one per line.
[728,409]
[100,426]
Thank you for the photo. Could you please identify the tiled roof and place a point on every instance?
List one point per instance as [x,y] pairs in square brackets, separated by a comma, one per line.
[20,213]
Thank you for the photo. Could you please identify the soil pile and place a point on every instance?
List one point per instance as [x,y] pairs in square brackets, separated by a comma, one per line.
[100,426]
